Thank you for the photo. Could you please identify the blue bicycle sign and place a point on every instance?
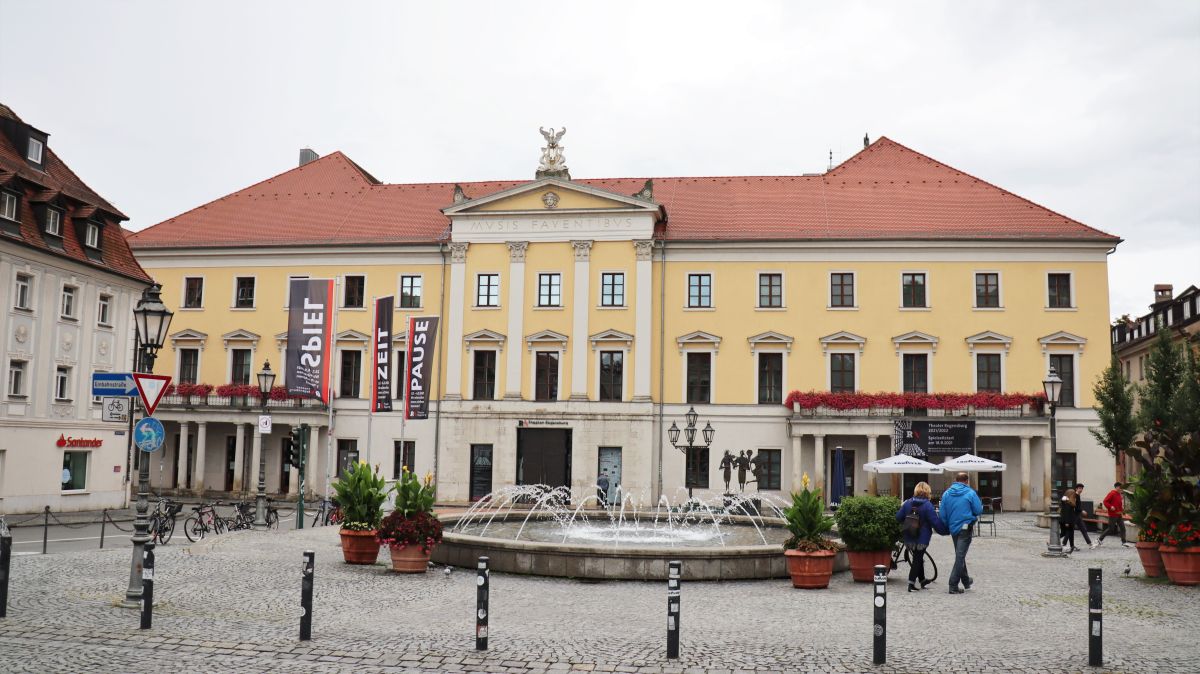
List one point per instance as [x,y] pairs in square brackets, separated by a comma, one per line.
[148,434]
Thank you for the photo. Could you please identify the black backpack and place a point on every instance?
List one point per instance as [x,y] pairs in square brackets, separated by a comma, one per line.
[912,523]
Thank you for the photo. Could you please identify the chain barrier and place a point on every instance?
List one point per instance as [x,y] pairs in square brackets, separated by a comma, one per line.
[21,522]
[78,525]
[118,526]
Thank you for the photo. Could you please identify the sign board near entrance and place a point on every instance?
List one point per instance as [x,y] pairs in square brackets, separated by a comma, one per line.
[927,437]
[113,384]
[532,423]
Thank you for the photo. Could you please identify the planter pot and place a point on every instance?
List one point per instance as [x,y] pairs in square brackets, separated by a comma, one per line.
[862,564]
[1182,564]
[359,547]
[810,570]
[410,559]
[1151,558]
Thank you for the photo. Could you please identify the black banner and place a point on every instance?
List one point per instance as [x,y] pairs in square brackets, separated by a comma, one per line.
[381,378]
[422,335]
[927,437]
[309,343]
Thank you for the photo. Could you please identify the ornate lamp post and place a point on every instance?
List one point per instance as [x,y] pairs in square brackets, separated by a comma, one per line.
[266,381]
[690,446]
[1053,388]
[152,320]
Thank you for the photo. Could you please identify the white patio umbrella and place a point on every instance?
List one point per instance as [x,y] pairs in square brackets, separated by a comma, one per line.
[974,464]
[902,463]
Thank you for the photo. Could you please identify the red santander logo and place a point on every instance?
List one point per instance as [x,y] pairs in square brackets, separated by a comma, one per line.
[68,441]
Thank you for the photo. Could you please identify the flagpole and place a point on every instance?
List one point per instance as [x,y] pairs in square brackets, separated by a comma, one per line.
[374,373]
[333,339]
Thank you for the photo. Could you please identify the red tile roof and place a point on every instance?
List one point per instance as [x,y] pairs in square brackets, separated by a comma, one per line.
[885,192]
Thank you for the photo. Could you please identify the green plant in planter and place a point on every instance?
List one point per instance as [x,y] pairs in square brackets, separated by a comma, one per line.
[807,522]
[868,523]
[413,495]
[361,493]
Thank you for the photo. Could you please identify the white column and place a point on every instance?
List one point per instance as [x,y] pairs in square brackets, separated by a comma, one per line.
[182,460]
[201,450]
[796,465]
[872,454]
[454,327]
[516,318]
[1045,443]
[1025,501]
[256,453]
[818,479]
[642,332]
[239,451]
[579,324]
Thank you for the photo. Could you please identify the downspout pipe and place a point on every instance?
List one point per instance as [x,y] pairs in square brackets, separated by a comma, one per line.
[437,417]
[662,336]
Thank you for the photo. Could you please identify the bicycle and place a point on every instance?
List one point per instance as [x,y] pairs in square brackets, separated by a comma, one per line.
[902,551]
[328,512]
[206,519]
[243,516]
[272,515]
[162,520]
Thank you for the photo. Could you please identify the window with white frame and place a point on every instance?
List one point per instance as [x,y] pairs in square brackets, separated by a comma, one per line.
[483,381]
[34,151]
[1064,365]
[351,373]
[23,298]
[92,235]
[354,292]
[989,375]
[193,292]
[699,291]
[244,292]
[770,291]
[53,222]
[987,290]
[770,378]
[841,289]
[1058,291]
[399,366]
[8,205]
[545,375]
[612,289]
[699,378]
[410,292]
[915,372]
[549,290]
[770,462]
[612,375]
[16,378]
[912,290]
[62,383]
[104,310]
[74,470]
[239,366]
[842,372]
[487,290]
[189,365]
[69,295]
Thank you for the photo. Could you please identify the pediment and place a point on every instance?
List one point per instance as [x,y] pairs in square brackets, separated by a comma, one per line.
[610,335]
[484,338]
[353,336]
[989,338]
[843,338]
[190,335]
[698,338]
[915,338]
[1062,338]
[568,196]
[239,335]
[770,338]
[543,336]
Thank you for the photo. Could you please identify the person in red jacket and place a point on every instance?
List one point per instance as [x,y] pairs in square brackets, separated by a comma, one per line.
[1114,503]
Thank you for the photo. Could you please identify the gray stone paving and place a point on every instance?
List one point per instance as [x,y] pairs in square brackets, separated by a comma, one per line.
[230,604]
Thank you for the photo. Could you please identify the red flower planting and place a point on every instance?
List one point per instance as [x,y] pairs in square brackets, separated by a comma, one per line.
[398,531]
[934,401]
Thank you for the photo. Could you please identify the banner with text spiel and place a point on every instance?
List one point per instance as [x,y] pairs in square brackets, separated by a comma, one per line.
[381,377]
[929,437]
[422,335]
[309,343]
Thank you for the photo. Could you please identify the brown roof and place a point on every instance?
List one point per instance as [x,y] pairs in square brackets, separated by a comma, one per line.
[885,192]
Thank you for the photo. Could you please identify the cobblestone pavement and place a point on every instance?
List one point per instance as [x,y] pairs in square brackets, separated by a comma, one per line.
[230,604]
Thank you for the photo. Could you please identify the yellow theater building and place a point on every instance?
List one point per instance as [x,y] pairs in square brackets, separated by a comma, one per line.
[582,318]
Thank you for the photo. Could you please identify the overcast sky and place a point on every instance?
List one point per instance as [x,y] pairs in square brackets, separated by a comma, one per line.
[1088,108]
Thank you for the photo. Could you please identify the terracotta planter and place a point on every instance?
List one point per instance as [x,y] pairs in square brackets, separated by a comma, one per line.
[810,570]
[862,564]
[410,559]
[359,547]
[1182,564]
[1151,559]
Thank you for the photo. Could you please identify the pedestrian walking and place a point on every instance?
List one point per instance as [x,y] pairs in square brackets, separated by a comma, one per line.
[1114,504]
[960,508]
[1080,513]
[1068,511]
[920,521]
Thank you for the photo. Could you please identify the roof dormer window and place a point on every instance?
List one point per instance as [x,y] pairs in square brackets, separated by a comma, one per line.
[92,235]
[53,222]
[35,151]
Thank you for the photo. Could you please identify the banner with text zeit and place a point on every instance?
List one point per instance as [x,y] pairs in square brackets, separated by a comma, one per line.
[309,343]
[422,335]
[381,379]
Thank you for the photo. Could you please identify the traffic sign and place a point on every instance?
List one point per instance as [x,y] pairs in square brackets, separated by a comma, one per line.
[151,388]
[264,423]
[148,434]
[115,408]
[113,384]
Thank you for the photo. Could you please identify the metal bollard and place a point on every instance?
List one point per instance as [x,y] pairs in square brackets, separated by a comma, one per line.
[673,576]
[5,560]
[1095,619]
[103,521]
[45,528]
[306,592]
[481,605]
[880,600]
[147,586]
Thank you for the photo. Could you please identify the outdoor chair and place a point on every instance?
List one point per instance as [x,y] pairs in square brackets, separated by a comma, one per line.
[988,518]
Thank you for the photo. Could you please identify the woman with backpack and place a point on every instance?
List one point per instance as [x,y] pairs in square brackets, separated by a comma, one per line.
[919,521]
[1066,517]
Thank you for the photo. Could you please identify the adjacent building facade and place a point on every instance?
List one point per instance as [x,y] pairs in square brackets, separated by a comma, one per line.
[582,318]
[69,285]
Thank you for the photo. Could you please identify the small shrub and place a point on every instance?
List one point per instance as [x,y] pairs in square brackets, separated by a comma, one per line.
[868,523]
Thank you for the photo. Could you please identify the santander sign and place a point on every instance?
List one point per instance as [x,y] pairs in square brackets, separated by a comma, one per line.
[67,441]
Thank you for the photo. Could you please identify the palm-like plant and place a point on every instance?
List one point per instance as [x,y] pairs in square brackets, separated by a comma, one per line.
[807,521]
[361,492]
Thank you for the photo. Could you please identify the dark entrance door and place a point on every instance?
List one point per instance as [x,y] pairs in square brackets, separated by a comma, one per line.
[544,456]
[481,471]
[910,483]
[230,460]
[991,485]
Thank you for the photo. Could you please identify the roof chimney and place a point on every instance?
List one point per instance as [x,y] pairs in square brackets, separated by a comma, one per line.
[866,141]
[1163,292]
[307,155]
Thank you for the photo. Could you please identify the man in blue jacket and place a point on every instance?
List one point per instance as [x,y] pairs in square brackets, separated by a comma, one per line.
[959,509]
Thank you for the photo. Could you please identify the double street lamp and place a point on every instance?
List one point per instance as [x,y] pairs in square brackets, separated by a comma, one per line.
[1053,388]
[266,381]
[690,448]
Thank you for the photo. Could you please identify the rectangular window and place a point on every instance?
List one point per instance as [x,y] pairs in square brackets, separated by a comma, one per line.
[987,290]
[1064,365]
[239,371]
[546,376]
[916,373]
[62,383]
[404,455]
[1059,291]
[24,298]
[841,372]
[696,469]
[410,292]
[401,359]
[912,292]
[347,454]
[92,237]
[74,470]
[53,222]
[34,152]
[487,290]
[193,292]
[612,290]
[770,291]
[68,301]
[104,310]
[353,295]
[699,378]
[245,293]
[699,291]
[770,464]
[612,374]
[16,378]
[484,383]
[189,365]
[549,290]
[8,205]
[351,373]
[841,289]
[1065,471]
[987,373]
[770,378]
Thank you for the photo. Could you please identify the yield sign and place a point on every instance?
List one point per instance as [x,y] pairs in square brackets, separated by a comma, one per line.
[151,388]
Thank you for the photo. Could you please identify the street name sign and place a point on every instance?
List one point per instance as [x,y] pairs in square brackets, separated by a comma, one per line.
[151,388]
[113,384]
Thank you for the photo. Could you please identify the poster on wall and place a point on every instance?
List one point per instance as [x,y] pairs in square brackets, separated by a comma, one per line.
[309,343]
[381,377]
[422,335]
[923,438]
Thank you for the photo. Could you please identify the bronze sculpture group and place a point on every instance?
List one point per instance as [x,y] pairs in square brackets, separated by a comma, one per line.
[745,462]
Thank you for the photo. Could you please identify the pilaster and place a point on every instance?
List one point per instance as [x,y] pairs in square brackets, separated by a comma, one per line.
[201,450]
[516,318]
[454,327]
[239,452]
[873,454]
[642,312]
[579,326]
[818,479]
[255,457]
[181,462]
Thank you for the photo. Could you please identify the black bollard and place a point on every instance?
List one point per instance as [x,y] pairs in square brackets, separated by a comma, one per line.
[148,586]
[45,528]
[880,601]
[481,605]
[5,560]
[306,592]
[674,570]
[103,521]
[1095,619]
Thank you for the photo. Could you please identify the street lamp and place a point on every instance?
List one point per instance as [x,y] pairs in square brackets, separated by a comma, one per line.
[152,321]
[266,380]
[689,447]
[1053,388]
